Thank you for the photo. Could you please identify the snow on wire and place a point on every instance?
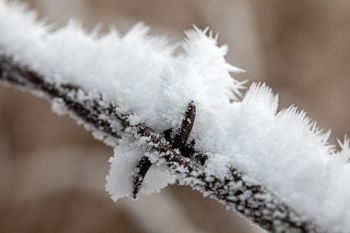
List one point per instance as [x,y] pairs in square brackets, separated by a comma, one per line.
[131,88]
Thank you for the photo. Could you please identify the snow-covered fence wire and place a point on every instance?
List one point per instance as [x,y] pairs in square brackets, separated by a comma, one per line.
[179,116]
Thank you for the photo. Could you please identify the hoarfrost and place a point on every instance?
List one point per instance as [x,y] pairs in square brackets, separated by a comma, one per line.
[283,151]
[122,168]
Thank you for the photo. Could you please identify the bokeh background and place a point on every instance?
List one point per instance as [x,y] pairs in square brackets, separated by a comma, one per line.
[52,171]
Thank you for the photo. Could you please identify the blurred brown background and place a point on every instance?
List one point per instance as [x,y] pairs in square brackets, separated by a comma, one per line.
[52,171]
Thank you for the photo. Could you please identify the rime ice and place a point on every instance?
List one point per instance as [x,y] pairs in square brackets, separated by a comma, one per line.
[283,151]
[123,164]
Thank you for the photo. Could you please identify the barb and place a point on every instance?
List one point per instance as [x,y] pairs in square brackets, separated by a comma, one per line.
[181,138]
[140,172]
[179,142]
